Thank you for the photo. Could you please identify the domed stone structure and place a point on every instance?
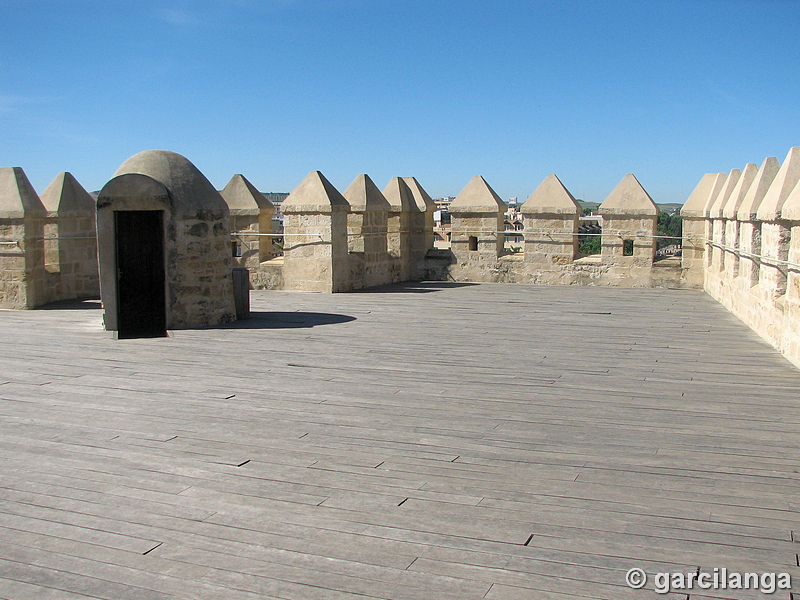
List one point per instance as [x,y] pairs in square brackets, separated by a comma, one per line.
[164,248]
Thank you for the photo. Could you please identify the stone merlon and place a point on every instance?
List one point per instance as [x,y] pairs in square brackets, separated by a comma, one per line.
[551,198]
[243,198]
[315,194]
[18,199]
[363,195]
[629,198]
[477,197]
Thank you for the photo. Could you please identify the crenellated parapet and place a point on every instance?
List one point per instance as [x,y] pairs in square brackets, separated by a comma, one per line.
[744,246]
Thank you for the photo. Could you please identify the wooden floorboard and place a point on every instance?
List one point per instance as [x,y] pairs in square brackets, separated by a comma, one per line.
[427,441]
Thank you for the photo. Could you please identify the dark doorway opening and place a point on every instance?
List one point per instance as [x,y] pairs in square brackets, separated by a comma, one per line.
[141,307]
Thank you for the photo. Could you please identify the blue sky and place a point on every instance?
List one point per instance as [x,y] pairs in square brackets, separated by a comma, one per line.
[439,89]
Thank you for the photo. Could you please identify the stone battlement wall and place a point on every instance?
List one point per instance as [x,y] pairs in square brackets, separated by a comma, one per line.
[48,245]
[390,238]
[742,244]
[337,242]
[741,240]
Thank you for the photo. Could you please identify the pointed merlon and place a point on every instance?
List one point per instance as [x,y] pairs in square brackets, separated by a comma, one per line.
[791,208]
[363,195]
[739,192]
[18,199]
[315,194]
[628,198]
[551,197]
[703,195]
[422,200]
[715,211]
[399,196]
[477,197]
[242,196]
[65,195]
[748,209]
[783,184]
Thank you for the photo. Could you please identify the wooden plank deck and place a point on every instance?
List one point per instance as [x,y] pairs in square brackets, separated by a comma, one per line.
[418,442]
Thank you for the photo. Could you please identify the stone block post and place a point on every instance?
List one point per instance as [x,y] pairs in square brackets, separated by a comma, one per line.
[367,233]
[750,227]
[775,232]
[718,229]
[401,205]
[22,217]
[629,224]
[70,240]
[315,237]
[251,223]
[730,218]
[551,226]
[421,226]
[696,227]
[477,230]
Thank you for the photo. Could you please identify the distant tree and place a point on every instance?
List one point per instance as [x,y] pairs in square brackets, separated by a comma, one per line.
[591,245]
[669,225]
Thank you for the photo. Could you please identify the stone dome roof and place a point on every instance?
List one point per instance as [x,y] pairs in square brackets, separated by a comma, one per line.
[188,188]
